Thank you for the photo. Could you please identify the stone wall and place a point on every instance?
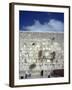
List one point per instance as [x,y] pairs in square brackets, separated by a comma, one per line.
[45,50]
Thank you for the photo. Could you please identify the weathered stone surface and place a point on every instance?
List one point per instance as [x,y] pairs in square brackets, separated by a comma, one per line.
[46,50]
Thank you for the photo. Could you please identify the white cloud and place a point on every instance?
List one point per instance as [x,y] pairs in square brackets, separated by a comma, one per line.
[52,26]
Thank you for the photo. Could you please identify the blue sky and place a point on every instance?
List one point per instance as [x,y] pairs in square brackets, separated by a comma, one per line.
[41,21]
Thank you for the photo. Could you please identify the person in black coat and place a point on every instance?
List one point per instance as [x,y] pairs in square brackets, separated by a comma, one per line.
[41,72]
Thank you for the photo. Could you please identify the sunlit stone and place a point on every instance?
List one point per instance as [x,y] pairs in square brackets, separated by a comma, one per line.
[48,61]
[29,52]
